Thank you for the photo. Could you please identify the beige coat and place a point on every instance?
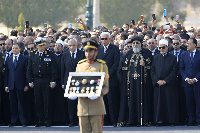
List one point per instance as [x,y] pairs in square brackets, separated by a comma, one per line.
[86,106]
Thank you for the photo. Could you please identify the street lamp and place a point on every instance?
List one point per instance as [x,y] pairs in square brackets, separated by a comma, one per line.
[89,14]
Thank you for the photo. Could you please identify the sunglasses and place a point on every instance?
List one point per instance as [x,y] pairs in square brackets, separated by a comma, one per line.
[104,38]
[2,44]
[30,48]
[129,46]
[136,43]
[177,43]
[151,43]
[163,47]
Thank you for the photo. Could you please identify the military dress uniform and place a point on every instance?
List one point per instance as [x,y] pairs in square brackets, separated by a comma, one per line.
[41,71]
[91,112]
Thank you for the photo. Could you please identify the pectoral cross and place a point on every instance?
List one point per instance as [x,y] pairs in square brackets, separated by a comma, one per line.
[136,75]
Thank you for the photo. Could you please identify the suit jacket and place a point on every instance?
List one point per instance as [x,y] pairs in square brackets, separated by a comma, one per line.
[112,58]
[67,64]
[16,77]
[87,107]
[189,69]
[1,65]
[179,56]
[58,61]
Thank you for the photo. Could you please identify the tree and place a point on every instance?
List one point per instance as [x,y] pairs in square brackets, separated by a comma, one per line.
[21,21]
[38,12]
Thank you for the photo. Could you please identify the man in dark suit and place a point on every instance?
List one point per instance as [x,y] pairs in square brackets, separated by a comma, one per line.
[15,83]
[42,77]
[177,51]
[111,54]
[68,64]
[1,83]
[190,71]
[5,96]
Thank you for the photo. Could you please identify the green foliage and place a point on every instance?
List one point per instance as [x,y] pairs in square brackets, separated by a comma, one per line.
[54,12]
[38,12]
[21,21]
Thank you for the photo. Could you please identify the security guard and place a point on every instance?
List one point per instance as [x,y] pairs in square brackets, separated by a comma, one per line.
[42,74]
[91,109]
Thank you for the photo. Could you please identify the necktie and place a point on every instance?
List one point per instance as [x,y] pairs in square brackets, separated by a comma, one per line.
[191,56]
[40,55]
[73,60]
[8,55]
[105,49]
[73,55]
[177,56]
[15,61]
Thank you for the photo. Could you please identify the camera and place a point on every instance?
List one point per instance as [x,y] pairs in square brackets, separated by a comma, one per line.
[165,12]
[154,16]
[179,27]
[77,20]
[27,24]
[45,25]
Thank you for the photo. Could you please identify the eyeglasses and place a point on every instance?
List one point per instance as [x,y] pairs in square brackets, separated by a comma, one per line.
[163,47]
[136,43]
[58,45]
[177,43]
[151,43]
[104,38]
[30,48]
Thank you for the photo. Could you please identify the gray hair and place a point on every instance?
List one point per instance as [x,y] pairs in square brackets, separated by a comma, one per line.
[78,38]
[72,40]
[105,33]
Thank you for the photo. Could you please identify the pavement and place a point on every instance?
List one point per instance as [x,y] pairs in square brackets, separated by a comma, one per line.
[107,129]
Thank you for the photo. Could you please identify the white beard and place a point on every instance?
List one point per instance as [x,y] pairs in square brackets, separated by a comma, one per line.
[137,50]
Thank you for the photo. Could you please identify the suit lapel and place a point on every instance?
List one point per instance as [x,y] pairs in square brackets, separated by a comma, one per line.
[188,57]
[19,60]
[108,51]
[12,63]
[195,56]
[77,55]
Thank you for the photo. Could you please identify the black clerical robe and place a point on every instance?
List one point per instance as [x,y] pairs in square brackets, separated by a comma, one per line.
[165,96]
[131,73]
[57,97]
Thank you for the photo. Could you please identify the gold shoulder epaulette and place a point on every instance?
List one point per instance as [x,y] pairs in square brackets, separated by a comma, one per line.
[81,61]
[101,61]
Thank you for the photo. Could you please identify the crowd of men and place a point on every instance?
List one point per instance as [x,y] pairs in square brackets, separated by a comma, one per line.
[153,71]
